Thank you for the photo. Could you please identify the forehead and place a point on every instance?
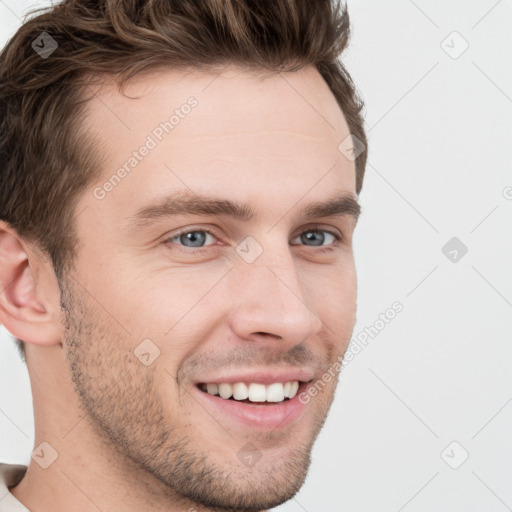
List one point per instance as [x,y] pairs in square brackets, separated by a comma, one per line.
[234,96]
[234,133]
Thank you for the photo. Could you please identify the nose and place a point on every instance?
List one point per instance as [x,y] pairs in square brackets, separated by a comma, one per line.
[271,303]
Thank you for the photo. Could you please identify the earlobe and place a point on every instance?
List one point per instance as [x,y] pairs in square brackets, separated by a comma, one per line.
[28,309]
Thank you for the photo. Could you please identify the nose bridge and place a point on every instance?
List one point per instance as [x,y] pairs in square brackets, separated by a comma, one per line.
[271,299]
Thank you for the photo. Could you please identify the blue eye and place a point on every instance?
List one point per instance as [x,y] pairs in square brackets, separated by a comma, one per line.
[193,238]
[315,237]
[202,238]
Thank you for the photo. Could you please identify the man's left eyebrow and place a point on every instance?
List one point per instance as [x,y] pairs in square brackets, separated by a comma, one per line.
[342,205]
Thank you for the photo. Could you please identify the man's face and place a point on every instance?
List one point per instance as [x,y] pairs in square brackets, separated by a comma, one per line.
[164,305]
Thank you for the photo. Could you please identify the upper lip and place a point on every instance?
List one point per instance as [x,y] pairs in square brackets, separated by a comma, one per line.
[263,377]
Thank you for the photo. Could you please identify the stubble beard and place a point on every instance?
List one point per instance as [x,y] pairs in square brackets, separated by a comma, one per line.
[121,399]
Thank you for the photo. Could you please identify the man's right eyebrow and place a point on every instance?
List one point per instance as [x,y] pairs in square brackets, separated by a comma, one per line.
[191,204]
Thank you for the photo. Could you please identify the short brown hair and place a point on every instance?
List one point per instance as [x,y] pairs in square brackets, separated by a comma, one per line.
[44,159]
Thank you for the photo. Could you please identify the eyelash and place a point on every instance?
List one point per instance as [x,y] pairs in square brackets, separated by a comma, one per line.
[337,239]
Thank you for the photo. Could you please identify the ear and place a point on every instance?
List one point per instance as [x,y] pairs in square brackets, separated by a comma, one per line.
[29,292]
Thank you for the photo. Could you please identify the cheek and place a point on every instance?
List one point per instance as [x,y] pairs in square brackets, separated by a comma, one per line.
[161,301]
[170,313]
[335,304]
[334,296]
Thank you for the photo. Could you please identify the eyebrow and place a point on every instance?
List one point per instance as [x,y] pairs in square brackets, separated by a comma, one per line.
[189,203]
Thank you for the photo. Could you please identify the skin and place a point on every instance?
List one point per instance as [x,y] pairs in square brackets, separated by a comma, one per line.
[131,436]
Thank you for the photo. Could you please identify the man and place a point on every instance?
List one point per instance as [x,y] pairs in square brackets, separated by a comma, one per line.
[179,183]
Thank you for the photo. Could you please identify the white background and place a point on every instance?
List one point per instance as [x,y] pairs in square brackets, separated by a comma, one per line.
[440,144]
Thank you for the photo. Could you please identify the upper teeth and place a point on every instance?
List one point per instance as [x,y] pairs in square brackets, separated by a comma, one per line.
[255,392]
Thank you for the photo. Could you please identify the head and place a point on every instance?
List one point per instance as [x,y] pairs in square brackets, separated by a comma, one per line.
[177,209]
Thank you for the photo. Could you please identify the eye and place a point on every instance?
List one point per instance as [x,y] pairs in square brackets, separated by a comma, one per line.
[316,237]
[196,238]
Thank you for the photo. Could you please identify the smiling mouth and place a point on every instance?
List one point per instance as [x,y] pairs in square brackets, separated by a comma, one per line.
[254,392]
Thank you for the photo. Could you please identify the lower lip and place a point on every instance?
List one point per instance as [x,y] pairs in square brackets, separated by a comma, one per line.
[261,416]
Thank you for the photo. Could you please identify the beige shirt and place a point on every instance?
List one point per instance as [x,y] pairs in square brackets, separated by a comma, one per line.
[10,475]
